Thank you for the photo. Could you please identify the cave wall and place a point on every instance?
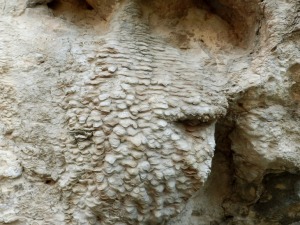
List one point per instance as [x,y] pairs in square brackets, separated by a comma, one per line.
[178,112]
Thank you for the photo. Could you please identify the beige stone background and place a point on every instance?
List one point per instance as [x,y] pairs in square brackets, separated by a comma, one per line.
[180,112]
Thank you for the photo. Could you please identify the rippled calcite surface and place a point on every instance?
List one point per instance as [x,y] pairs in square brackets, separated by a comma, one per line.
[148,112]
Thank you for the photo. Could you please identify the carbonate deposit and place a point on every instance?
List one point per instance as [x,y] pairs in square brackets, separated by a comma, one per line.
[149,112]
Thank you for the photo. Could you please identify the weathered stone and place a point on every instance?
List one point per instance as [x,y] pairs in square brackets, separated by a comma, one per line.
[155,112]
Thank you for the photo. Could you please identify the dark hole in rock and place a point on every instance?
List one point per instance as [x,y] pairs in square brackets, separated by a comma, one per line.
[83,14]
[228,217]
[55,4]
[89,7]
[49,182]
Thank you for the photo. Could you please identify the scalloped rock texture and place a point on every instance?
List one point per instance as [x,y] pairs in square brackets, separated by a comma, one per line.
[139,112]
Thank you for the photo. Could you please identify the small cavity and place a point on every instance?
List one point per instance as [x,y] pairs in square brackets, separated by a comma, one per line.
[49,182]
[56,4]
[193,24]
[82,14]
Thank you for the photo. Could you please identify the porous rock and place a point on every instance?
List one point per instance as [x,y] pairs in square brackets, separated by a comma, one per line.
[135,112]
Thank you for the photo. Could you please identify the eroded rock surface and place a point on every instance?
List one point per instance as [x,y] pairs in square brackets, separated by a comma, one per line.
[149,112]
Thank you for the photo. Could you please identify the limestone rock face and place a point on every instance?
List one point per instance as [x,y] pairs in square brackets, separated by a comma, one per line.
[136,112]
